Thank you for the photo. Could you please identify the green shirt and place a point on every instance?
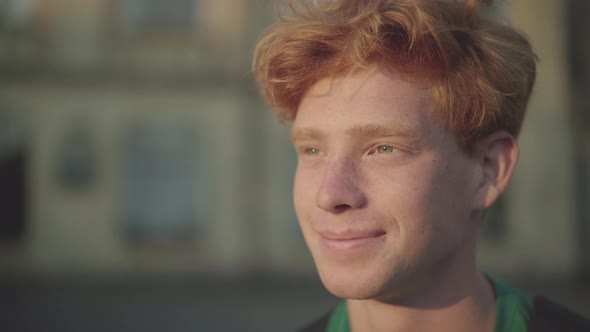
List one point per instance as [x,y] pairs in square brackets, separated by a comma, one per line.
[512,311]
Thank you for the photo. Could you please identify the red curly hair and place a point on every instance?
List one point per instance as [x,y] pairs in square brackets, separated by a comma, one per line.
[480,72]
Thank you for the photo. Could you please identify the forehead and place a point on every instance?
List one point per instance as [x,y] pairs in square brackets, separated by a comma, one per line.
[371,97]
[373,81]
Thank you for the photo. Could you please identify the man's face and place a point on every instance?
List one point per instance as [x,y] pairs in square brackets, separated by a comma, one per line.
[383,194]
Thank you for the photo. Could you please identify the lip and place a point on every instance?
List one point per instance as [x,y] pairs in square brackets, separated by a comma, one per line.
[350,240]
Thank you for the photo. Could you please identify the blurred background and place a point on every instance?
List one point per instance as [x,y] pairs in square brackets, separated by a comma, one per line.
[145,186]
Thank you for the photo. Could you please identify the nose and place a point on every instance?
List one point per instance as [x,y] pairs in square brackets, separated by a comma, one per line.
[340,190]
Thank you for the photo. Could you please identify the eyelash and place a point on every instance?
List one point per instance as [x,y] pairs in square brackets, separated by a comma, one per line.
[311,151]
[383,148]
[379,149]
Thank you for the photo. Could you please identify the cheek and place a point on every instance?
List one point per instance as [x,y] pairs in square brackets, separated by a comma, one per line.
[407,193]
[304,186]
[424,199]
[304,192]
[438,205]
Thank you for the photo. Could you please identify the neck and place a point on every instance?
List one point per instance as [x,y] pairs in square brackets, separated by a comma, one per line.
[458,299]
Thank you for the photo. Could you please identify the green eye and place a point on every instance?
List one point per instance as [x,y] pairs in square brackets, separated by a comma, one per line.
[385,149]
[312,151]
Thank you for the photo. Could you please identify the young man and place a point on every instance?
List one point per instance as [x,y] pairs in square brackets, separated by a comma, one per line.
[405,116]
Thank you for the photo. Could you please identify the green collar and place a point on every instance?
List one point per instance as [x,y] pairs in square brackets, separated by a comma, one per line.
[512,310]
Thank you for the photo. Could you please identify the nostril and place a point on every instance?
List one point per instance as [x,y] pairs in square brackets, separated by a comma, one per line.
[339,191]
[341,208]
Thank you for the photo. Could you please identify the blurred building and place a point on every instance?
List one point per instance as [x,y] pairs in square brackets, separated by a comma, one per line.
[135,142]
[134,119]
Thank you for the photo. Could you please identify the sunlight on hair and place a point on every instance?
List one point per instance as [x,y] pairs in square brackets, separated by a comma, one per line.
[480,72]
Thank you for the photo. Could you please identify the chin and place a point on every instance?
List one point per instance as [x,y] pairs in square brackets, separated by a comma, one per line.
[369,279]
[350,290]
[351,283]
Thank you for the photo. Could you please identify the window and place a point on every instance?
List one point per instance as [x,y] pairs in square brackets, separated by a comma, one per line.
[17,13]
[158,15]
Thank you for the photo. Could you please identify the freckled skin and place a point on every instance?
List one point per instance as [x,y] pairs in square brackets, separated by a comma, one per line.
[418,191]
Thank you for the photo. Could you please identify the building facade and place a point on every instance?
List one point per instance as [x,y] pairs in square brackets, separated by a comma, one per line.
[144,147]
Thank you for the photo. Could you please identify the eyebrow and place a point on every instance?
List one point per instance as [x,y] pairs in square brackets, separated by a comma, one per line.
[375,131]
[364,131]
[303,134]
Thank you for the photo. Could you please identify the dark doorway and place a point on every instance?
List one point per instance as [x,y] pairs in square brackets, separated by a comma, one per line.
[12,197]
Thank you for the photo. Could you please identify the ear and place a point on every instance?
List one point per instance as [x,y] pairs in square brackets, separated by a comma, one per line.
[498,155]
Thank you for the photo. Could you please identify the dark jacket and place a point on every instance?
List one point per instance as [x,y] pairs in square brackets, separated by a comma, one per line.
[546,316]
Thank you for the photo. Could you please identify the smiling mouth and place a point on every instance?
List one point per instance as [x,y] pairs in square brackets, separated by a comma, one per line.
[348,241]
